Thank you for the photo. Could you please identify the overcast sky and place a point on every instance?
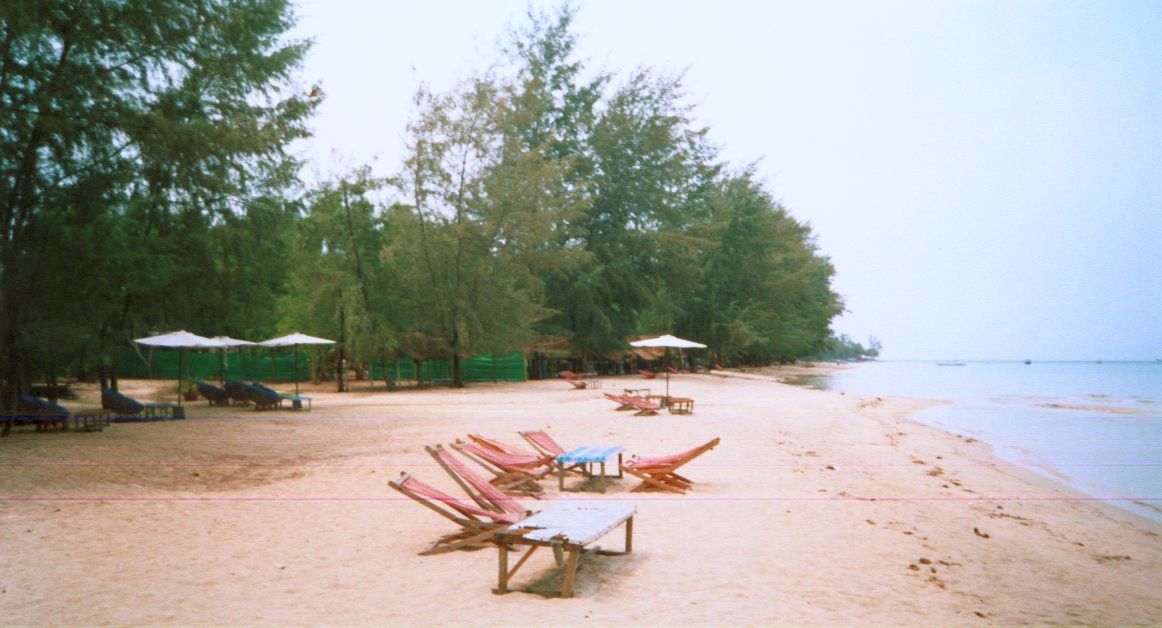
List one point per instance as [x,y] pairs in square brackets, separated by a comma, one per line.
[985,176]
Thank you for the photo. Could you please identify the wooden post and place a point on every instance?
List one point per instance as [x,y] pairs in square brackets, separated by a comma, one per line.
[629,535]
[570,573]
[502,573]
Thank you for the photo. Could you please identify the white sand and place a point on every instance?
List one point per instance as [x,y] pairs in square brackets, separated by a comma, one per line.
[816,508]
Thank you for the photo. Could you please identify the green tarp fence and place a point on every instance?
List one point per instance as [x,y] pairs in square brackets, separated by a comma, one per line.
[256,364]
[509,367]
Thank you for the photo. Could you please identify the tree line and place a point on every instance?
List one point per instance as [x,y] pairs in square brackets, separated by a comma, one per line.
[148,183]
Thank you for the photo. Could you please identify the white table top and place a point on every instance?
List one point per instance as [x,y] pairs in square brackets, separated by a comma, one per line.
[575,522]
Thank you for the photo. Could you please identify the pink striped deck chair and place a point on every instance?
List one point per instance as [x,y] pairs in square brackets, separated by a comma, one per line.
[514,473]
[644,407]
[549,447]
[478,488]
[511,450]
[543,443]
[478,527]
[660,473]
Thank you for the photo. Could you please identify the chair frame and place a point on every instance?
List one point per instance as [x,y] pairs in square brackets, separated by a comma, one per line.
[514,479]
[483,492]
[478,527]
[661,474]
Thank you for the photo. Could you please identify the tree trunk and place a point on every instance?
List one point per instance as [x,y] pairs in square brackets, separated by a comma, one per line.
[456,382]
[342,348]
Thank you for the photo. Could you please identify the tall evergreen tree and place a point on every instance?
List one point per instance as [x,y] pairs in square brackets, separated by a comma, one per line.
[133,129]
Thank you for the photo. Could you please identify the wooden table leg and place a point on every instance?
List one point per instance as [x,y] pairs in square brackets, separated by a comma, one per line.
[570,574]
[629,535]
[560,475]
[502,580]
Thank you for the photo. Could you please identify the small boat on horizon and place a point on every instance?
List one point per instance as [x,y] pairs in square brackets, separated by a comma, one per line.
[950,364]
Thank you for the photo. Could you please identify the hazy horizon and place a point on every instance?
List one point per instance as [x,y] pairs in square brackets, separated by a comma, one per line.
[984,175]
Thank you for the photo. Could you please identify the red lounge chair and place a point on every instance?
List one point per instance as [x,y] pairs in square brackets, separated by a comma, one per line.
[648,374]
[644,406]
[672,370]
[513,473]
[479,489]
[505,448]
[579,384]
[543,443]
[660,473]
[623,402]
[574,375]
[478,526]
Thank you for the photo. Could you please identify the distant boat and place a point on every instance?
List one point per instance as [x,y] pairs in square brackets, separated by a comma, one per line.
[1028,361]
[950,364]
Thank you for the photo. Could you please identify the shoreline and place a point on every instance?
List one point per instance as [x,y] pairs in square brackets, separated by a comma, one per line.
[845,506]
[1129,503]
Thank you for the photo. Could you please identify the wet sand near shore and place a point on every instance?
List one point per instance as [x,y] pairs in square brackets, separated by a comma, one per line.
[816,507]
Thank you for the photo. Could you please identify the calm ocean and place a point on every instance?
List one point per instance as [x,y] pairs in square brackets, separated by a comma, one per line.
[1095,426]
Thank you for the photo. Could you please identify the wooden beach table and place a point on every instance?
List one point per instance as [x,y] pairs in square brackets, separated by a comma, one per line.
[296,401]
[565,527]
[586,457]
[164,410]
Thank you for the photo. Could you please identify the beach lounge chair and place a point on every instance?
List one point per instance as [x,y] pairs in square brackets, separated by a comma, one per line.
[579,384]
[542,442]
[643,405]
[265,398]
[660,473]
[239,392]
[547,446]
[513,473]
[478,526]
[42,413]
[479,489]
[506,448]
[574,375]
[648,374]
[216,396]
[622,401]
[120,405]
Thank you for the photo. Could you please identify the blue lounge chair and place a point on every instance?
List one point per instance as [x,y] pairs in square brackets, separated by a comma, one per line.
[239,392]
[119,404]
[42,413]
[265,398]
[216,396]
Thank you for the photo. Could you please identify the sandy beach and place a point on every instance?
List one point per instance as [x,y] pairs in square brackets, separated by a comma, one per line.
[817,508]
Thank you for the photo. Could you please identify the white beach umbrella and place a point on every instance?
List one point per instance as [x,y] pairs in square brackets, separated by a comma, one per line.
[294,340]
[180,340]
[227,343]
[668,341]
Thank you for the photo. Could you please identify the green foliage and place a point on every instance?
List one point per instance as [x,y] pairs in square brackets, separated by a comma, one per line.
[144,186]
[140,144]
[842,347]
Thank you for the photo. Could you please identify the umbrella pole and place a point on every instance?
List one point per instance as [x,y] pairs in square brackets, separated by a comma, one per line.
[181,356]
[295,348]
[221,366]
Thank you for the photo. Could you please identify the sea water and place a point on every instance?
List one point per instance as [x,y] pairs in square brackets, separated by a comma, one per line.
[1096,426]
